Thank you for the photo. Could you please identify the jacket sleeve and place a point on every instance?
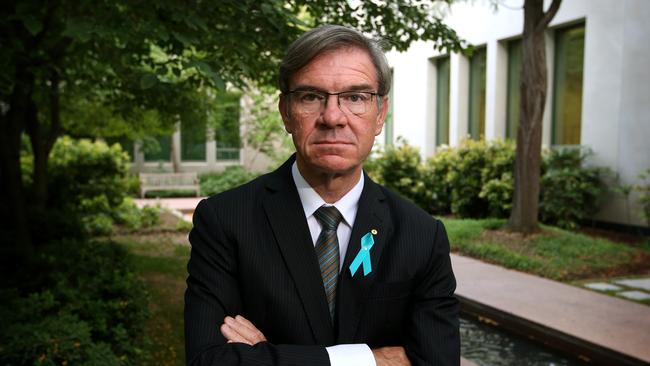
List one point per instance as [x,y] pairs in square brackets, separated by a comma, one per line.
[433,336]
[213,293]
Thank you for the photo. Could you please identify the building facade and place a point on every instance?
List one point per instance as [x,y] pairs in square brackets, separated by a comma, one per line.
[598,96]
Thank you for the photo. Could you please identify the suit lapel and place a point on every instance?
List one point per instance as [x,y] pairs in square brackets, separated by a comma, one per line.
[372,214]
[287,219]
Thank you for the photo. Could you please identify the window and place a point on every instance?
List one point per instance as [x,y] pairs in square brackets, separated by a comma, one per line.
[157,148]
[227,126]
[513,92]
[567,85]
[477,68]
[388,124]
[193,139]
[442,101]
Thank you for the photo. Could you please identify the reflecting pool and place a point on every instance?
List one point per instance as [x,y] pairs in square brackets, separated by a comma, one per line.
[490,346]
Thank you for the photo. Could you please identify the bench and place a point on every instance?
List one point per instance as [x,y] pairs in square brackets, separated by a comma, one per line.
[165,181]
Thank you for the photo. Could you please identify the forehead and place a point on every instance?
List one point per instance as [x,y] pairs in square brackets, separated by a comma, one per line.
[337,69]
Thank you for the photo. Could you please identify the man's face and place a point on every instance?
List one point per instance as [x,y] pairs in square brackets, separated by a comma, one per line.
[334,140]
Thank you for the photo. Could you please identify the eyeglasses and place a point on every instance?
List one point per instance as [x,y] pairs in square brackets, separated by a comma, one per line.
[312,102]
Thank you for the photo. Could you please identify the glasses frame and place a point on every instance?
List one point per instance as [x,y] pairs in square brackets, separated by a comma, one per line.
[373,94]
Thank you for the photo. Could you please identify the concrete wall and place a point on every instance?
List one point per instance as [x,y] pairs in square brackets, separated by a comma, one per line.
[616,84]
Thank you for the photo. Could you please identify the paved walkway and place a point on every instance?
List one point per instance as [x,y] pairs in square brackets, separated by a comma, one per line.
[573,313]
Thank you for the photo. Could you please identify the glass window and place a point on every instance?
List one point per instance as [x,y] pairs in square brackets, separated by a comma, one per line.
[388,124]
[442,101]
[477,69]
[227,127]
[193,140]
[567,85]
[513,92]
[157,148]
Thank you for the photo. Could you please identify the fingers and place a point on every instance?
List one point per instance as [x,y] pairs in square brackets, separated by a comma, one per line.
[241,330]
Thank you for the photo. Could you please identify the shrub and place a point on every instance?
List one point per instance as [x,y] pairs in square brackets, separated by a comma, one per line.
[89,188]
[231,177]
[130,216]
[569,189]
[480,178]
[498,182]
[435,176]
[83,169]
[85,306]
[87,182]
[644,190]
[399,169]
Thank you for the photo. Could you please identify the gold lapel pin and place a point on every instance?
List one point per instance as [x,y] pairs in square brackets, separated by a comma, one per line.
[374,231]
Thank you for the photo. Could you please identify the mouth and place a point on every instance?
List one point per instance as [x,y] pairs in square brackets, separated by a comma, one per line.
[332,142]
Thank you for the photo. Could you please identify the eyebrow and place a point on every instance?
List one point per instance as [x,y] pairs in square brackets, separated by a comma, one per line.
[357,87]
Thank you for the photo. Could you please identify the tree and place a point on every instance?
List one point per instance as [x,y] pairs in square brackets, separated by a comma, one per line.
[525,207]
[128,60]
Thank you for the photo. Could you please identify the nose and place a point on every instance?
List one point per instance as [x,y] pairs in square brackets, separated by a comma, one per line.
[332,115]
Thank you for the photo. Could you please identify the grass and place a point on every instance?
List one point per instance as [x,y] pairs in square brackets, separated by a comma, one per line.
[160,259]
[553,253]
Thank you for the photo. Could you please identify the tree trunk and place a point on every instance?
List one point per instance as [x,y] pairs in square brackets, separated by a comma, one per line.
[16,239]
[43,140]
[523,217]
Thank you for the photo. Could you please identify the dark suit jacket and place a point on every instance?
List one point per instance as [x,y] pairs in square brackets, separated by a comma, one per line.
[252,254]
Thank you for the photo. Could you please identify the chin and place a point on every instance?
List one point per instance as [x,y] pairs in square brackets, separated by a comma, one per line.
[335,164]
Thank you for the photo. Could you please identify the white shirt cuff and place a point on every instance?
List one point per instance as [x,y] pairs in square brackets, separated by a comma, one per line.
[351,355]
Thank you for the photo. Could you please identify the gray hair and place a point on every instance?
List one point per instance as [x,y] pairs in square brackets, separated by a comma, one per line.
[332,37]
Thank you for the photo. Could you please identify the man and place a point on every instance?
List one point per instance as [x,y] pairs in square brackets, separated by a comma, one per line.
[315,264]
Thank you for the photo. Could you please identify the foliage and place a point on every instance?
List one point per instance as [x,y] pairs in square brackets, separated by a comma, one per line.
[471,180]
[435,177]
[475,180]
[554,253]
[116,68]
[570,190]
[231,177]
[398,168]
[263,128]
[644,190]
[130,216]
[84,307]
[92,185]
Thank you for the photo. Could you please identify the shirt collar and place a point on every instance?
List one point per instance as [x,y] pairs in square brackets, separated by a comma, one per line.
[311,201]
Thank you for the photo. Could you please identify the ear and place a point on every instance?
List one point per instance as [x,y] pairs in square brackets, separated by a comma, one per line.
[283,108]
[381,116]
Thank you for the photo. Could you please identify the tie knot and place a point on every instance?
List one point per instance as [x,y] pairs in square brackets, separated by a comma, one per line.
[329,217]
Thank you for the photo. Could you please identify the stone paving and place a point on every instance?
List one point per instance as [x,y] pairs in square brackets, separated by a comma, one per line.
[637,289]
[605,321]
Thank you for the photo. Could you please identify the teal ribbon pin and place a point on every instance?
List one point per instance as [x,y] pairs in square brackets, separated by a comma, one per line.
[363,257]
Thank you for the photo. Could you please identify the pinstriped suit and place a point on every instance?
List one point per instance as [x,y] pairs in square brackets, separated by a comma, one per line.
[252,254]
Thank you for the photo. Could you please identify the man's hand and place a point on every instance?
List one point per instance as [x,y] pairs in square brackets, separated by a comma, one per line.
[240,330]
[391,356]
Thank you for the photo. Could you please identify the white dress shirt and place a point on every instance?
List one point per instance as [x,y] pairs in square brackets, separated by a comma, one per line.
[342,354]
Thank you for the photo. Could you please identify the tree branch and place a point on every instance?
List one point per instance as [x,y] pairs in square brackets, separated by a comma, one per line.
[550,13]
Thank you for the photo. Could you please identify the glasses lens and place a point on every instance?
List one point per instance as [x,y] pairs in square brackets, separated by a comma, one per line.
[355,102]
[309,102]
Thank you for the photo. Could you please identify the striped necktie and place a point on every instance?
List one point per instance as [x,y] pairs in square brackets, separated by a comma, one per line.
[327,250]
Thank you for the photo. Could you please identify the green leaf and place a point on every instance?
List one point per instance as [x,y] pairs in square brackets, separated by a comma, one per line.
[32,24]
[148,80]
[78,29]
[205,69]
